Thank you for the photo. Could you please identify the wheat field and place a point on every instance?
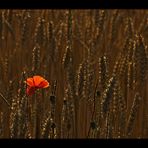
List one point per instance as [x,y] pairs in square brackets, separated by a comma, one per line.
[96,63]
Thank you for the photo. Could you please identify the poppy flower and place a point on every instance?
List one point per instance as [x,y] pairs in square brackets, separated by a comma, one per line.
[34,83]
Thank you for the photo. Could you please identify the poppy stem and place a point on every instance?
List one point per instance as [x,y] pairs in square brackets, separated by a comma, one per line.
[37,116]
[34,115]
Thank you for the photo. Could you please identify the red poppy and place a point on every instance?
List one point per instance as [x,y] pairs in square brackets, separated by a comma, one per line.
[34,83]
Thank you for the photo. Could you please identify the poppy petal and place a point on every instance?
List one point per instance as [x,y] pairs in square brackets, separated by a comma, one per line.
[30,82]
[43,84]
[37,80]
[30,90]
